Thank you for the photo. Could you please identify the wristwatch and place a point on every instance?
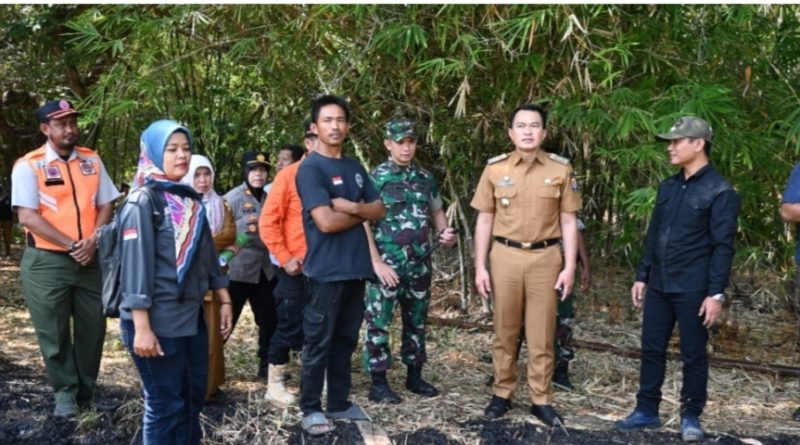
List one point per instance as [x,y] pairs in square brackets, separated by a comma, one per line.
[73,246]
[719,297]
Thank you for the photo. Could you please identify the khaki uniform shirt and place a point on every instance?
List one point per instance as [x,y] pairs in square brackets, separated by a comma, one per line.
[527,200]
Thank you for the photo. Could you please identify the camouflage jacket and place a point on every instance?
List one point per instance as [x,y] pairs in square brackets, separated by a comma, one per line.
[411,196]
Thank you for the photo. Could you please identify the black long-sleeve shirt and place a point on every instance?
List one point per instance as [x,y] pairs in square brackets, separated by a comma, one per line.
[689,243]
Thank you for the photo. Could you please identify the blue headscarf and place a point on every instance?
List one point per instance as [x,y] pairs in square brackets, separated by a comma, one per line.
[186,211]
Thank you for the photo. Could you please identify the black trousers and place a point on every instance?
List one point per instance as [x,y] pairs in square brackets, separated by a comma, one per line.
[661,311]
[290,299]
[331,320]
[262,302]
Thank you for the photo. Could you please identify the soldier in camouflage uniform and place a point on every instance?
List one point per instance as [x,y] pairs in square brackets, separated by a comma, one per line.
[412,200]
[564,350]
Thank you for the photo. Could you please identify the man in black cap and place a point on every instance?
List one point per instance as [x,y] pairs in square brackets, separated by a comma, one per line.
[62,193]
[251,273]
[685,270]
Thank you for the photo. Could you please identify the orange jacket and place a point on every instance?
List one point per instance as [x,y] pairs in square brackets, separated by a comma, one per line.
[281,222]
[67,194]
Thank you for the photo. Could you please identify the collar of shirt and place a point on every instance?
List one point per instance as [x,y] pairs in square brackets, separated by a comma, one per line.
[51,154]
[696,176]
[516,158]
[397,168]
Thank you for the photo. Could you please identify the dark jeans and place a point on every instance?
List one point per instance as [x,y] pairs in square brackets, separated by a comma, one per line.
[290,299]
[262,302]
[331,320]
[173,386]
[661,311]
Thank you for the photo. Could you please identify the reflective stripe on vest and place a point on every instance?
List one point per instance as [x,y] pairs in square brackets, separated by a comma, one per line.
[67,194]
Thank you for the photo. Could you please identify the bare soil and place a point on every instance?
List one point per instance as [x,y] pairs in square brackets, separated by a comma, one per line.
[742,405]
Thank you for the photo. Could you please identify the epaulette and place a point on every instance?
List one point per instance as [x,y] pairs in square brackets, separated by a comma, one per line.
[497,158]
[559,159]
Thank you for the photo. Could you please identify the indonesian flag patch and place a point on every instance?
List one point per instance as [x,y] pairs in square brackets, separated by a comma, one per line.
[337,180]
[130,234]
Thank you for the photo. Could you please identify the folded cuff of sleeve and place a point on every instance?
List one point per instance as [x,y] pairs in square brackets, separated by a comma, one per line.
[135,301]
[219,282]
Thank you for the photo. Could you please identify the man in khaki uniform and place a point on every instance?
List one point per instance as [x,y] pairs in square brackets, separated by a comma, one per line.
[527,202]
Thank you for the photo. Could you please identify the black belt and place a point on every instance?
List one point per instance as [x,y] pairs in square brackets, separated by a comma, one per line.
[527,246]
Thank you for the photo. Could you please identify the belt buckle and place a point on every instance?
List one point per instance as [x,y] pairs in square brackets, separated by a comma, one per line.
[526,245]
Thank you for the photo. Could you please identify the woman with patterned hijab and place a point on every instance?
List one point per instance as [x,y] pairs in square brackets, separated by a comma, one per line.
[223,229]
[166,270]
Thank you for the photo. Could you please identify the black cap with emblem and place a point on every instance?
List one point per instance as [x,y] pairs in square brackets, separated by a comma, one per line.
[55,109]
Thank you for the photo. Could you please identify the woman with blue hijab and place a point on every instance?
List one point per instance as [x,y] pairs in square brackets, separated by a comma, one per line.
[166,271]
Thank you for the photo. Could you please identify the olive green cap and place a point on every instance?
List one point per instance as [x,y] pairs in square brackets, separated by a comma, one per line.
[688,127]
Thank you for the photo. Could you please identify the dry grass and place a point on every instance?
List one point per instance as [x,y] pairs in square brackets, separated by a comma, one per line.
[741,404]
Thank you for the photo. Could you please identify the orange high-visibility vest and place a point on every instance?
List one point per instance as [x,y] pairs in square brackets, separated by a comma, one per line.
[67,193]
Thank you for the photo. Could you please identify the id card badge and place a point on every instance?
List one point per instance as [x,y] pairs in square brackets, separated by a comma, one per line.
[52,175]
[87,168]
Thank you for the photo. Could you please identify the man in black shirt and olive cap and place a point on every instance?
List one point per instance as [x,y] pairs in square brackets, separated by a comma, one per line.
[685,269]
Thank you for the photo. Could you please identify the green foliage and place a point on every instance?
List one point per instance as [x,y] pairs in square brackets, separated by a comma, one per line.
[242,78]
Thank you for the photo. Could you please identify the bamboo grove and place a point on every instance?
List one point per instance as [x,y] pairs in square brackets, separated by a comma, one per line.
[242,78]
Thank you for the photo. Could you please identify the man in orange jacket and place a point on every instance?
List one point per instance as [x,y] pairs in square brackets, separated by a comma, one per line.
[281,229]
[62,193]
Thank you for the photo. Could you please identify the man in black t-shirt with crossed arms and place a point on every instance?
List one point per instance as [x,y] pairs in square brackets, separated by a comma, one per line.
[337,198]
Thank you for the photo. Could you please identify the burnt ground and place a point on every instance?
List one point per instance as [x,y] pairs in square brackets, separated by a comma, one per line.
[744,405]
[26,404]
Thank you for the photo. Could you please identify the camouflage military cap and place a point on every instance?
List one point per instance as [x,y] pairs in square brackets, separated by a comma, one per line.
[688,127]
[398,129]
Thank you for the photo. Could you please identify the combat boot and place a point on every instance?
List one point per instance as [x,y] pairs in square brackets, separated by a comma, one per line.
[276,388]
[380,391]
[415,384]
[561,376]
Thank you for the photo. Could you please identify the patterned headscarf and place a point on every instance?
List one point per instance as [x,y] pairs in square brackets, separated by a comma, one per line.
[215,206]
[185,208]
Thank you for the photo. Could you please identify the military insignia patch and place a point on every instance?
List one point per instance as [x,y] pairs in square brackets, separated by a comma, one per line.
[574,183]
[559,159]
[359,180]
[497,158]
[505,182]
[337,180]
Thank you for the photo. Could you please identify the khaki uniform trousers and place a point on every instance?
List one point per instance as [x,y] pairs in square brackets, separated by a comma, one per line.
[216,356]
[523,285]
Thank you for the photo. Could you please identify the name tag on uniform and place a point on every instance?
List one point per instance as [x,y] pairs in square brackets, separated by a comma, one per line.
[52,175]
[337,180]
[87,168]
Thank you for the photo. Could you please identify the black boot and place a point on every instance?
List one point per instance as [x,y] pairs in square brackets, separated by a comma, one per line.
[561,376]
[415,384]
[380,391]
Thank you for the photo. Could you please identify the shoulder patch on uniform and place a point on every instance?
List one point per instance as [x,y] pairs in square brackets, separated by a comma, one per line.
[497,158]
[559,159]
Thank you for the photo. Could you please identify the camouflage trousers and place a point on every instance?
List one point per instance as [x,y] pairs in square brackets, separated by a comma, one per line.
[413,295]
[564,350]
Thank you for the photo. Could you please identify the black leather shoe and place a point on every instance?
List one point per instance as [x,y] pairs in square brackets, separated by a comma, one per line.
[382,393]
[417,385]
[561,377]
[497,407]
[547,415]
[796,415]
